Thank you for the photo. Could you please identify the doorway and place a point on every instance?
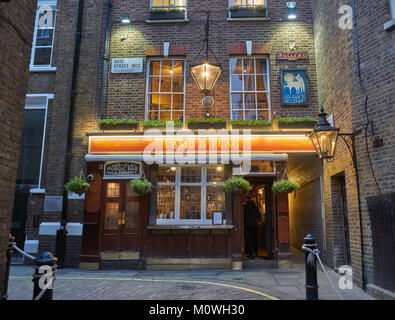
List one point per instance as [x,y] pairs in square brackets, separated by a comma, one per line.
[120,217]
[261,195]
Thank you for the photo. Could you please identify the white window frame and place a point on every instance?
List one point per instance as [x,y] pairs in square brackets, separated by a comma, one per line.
[44,106]
[177,196]
[246,3]
[170,6]
[48,67]
[242,92]
[148,92]
[391,24]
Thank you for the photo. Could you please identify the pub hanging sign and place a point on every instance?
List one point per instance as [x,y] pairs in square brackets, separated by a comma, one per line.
[122,170]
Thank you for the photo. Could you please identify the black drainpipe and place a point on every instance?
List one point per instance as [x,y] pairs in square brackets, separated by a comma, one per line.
[61,233]
[105,58]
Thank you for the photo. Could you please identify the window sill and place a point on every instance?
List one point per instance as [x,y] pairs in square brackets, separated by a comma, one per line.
[45,69]
[249,19]
[37,191]
[389,25]
[168,21]
[191,227]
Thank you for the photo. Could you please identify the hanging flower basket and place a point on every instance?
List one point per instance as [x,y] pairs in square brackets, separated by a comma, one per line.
[141,186]
[284,186]
[237,184]
[77,185]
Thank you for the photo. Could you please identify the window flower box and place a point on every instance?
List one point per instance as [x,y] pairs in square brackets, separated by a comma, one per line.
[296,123]
[118,124]
[196,124]
[161,124]
[254,125]
[167,14]
[248,12]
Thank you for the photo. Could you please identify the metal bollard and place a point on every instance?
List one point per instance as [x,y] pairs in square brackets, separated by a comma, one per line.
[10,250]
[311,269]
[45,273]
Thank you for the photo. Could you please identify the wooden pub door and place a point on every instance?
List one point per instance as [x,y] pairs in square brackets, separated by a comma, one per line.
[120,217]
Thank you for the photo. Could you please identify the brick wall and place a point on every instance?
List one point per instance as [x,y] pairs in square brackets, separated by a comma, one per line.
[16,25]
[341,94]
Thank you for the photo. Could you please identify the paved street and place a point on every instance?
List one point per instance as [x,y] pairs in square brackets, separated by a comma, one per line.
[74,284]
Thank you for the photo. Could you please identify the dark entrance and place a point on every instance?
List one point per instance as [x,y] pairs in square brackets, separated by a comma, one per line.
[120,217]
[19,215]
[261,194]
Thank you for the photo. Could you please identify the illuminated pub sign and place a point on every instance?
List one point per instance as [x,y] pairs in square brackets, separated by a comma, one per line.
[125,169]
[253,144]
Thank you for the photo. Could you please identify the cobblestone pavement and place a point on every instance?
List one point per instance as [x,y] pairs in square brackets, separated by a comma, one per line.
[75,284]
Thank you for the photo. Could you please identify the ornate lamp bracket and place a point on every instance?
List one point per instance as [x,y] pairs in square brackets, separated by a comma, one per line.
[349,140]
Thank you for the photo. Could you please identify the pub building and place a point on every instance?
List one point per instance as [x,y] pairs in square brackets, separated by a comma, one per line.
[239,87]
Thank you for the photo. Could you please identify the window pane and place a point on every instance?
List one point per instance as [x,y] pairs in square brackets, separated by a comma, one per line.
[30,152]
[44,37]
[215,174]
[261,66]
[113,190]
[262,99]
[250,115]
[165,99]
[167,174]
[167,68]
[237,84]
[178,84]
[215,200]
[263,114]
[42,56]
[261,83]
[190,202]
[156,3]
[111,215]
[237,115]
[178,69]
[178,115]
[259,2]
[237,101]
[178,99]
[249,83]
[131,214]
[249,66]
[155,68]
[154,99]
[191,174]
[165,85]
[249,101]
[165,205]
[47,18]
[165,112]
[154,84]
[236,66]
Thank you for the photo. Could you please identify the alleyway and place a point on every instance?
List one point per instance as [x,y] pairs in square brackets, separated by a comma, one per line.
[74,284]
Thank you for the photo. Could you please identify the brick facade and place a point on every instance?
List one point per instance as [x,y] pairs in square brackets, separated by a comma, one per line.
[341,94]
[16,25]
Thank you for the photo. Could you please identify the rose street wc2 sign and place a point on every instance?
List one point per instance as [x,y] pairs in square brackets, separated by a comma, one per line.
[127,65]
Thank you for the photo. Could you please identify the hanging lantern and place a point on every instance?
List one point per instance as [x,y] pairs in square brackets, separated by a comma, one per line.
[206,74]
[324,137]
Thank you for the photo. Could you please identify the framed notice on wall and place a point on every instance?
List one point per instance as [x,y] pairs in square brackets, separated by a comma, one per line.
[293,85]
[218,217]
[122,170]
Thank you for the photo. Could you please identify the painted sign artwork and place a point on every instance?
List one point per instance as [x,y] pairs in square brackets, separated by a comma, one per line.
[294,87]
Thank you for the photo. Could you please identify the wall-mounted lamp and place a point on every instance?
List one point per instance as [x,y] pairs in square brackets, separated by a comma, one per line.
[291,10]
[125,18]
